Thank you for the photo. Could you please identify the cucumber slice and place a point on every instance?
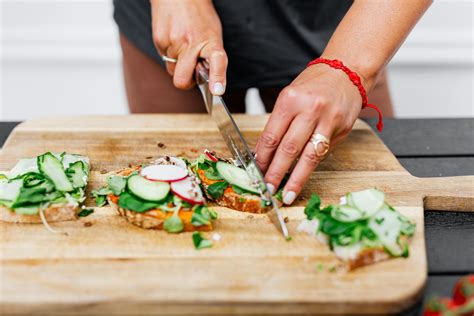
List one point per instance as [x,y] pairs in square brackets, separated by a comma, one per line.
[368,202]
[387,226]
[23,166]
[346,213]
[27,210]
[10,190]
[77,175]
[153,191]
[52,168]
[236,176]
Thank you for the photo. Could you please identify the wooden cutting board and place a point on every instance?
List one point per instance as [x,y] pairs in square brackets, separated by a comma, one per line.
[108,266]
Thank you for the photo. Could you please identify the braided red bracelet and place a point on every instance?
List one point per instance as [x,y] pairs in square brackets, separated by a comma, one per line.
[354,77]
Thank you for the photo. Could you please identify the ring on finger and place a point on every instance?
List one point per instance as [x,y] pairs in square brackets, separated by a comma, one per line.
[169,59]
[317,140]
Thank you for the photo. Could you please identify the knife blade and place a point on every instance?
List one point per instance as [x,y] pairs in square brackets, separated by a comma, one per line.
[237,145]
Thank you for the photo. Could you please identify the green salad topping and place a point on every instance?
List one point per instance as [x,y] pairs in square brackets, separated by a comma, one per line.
[357,224]
[34,184]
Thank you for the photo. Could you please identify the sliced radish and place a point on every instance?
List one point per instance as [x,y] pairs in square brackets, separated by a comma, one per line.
[178,162]
[210,155]
[167,173]
[171,161]
[188,190]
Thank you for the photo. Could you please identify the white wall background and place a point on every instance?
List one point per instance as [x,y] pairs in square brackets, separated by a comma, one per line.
[62,57]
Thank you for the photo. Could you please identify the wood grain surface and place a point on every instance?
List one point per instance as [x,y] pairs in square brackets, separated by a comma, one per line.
[112,267]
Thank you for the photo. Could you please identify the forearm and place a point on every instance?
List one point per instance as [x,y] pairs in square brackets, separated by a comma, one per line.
[371,33]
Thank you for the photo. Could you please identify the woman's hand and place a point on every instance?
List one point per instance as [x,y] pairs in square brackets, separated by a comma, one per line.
[320,100]
[187,30]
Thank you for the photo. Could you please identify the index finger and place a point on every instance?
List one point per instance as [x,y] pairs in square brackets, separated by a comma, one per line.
[216,56]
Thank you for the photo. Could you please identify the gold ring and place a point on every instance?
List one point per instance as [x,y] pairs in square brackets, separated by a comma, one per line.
[317,139]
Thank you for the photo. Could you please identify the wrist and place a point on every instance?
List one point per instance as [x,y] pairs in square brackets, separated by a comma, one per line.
[367,72]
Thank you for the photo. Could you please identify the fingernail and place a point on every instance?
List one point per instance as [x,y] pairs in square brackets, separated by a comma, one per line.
[218,88]
[271,188]
[289,197]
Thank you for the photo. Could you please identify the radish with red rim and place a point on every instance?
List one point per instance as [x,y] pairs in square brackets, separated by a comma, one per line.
[167,173]
[210,155]
[188,190]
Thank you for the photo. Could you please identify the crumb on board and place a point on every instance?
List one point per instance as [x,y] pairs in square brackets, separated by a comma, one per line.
[103,171]
[250,216]
[194,150]
[87,224]
[149,157]
[161,145]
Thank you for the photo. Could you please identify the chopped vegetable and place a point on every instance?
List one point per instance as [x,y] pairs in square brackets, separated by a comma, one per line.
[85,212]
[117,184]
[200,242]
[350,229]
[216,190]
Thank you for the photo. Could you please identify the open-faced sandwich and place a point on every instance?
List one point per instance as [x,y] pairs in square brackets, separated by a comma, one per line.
[162,195]
[362,230]
[46,188]
[227,184]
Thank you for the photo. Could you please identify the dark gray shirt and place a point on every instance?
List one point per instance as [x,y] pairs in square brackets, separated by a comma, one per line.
[268,42]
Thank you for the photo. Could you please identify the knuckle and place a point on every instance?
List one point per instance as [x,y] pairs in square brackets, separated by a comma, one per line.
[269,139]
[288,94]
[318,106]
[181,82]
[290,148]
[274,176]
[309,157]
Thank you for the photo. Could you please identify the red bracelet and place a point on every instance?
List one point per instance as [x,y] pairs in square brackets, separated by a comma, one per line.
[354,77]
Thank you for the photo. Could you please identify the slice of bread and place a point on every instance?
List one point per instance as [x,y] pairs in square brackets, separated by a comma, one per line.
[53,213]
[155,218]
[366,257]
[241,202]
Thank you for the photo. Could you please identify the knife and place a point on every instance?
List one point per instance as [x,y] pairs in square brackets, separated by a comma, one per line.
[237,145]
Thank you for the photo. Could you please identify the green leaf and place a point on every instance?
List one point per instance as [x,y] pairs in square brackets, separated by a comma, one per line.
[100,200]
[202,216]
[117,184]
[173,224]
[313,207]
[200,242]
[216,190]
[279,195]
[240,191]
[130,202]
[100,196]
[85,212]
[33,195]
[212,174]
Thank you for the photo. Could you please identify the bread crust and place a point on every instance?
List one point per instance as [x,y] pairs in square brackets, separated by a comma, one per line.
[244,203]
[53,213]
[367,257]
[154,219]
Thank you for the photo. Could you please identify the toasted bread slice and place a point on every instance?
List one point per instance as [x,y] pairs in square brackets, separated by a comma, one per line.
[53,213]
[155,218]
[366,257]
[245,203]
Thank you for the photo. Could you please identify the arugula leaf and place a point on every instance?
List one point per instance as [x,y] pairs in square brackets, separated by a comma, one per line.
[117,184]
[216,190]
[133,203]
[313,207]
[200,242]
[85,212]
